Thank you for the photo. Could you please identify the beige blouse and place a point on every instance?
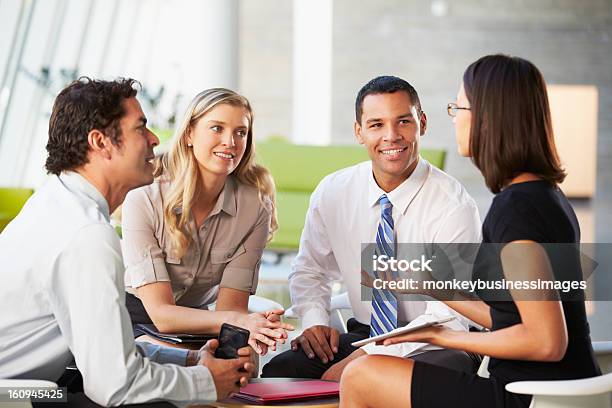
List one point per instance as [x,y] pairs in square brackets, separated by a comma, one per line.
[225,251]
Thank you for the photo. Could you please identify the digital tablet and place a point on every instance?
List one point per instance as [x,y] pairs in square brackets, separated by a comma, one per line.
[402,330]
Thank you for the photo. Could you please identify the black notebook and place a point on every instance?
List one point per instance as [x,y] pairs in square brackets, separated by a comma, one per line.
[175,338]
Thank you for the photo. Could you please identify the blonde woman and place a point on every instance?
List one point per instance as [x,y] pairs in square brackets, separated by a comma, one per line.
[196,235]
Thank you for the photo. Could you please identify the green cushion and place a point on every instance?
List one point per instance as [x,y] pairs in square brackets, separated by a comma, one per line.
[437,157]
[291,210]
[11,202]
[300,168]
[297,170]
[4,220]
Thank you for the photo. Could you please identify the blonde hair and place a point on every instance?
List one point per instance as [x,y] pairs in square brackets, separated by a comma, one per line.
[180,168]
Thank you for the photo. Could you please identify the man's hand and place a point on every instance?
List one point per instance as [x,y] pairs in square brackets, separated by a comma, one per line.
[334,372]
[321,341]
[229,375]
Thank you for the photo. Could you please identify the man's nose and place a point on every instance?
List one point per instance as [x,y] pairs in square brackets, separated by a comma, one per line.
[392,134]
[153,139]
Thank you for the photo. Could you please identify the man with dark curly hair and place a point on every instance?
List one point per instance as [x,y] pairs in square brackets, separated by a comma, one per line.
[63,260]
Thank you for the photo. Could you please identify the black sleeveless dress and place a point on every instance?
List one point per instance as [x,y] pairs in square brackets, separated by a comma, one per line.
[540,212]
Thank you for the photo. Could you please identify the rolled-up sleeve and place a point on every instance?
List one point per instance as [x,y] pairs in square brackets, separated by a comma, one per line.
[161,354]
[142,253]
[242,269]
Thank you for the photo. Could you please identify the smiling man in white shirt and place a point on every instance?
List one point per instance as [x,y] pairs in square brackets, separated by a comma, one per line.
[421,203]
[62,294]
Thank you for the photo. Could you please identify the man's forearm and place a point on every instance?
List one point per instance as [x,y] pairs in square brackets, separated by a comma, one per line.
[192,357]
[164,355]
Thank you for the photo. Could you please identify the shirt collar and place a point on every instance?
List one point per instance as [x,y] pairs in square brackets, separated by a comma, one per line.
[75,182]
[402,195]
[227,199]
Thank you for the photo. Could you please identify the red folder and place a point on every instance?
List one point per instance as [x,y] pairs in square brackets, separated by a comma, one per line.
[288,391]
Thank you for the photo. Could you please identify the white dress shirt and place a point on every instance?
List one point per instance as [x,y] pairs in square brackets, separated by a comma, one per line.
[62,297]
[428,207]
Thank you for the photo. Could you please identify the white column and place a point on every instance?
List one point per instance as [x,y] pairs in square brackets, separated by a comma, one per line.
[312,71]
[215,62]
[198,50]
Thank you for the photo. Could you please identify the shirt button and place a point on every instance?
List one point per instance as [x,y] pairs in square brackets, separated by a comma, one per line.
[191,275]
[228,256]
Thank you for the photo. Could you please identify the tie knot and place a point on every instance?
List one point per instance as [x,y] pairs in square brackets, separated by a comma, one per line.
[384,201]
[385,204]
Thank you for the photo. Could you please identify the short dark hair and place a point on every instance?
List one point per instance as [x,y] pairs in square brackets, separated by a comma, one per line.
[385,84]
[84,105]
[511,129]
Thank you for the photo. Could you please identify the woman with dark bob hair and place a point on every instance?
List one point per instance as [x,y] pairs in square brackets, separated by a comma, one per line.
[502,121]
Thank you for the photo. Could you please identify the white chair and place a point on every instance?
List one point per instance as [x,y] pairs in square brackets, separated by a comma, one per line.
[595,392]
[586,393]
[258,304]
[12,384]
[483,370]
[339,303]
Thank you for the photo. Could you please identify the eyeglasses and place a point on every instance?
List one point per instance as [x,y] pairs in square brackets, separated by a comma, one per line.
[452,109]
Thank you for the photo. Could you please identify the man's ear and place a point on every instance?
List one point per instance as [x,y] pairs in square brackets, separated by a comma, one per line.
[423,123]
[358,133]
[99,143]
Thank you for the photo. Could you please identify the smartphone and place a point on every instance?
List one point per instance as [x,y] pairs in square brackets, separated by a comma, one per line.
[231,338]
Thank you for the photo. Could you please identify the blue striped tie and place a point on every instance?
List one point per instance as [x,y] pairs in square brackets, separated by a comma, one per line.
[384,302]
